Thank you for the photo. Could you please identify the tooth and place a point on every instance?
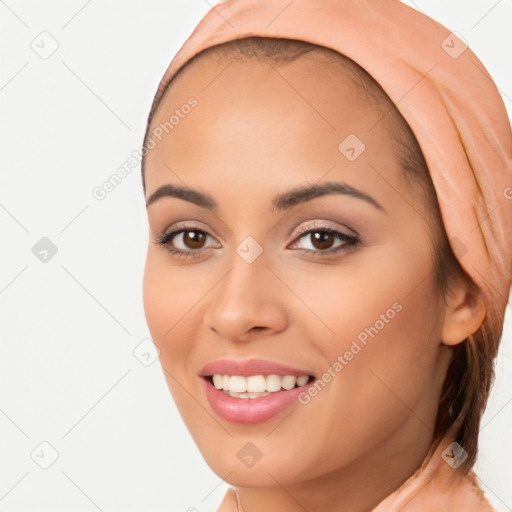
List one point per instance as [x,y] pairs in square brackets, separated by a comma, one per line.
[255,395]
[246,395]
[238,384]
[289,382]
[256,384]
[302,380]
[218,381]
[273,382]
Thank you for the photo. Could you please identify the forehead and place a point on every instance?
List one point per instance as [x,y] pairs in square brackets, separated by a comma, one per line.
[325,65]
[271,115]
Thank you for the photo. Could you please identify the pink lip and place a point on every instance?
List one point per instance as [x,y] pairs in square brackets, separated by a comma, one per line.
[250,410]
[247,367]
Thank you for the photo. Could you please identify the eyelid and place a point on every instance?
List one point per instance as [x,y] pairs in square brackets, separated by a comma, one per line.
[325,224]
[190,226]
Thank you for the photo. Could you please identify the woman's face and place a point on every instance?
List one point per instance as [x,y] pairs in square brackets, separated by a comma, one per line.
[357,308]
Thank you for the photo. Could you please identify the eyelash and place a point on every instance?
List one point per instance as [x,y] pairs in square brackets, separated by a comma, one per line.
[351,242]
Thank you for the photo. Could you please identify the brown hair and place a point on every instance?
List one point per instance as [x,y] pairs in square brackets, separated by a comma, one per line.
[471,371]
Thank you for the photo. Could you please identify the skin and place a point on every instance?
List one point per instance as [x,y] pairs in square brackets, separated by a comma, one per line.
[251,137]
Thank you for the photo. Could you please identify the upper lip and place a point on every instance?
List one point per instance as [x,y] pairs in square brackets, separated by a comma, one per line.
[247,367]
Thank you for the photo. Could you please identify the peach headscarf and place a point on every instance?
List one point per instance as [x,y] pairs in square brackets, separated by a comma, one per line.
[458,117]
[440,87]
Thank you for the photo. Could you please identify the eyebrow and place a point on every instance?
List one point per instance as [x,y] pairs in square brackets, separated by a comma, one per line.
[281,202]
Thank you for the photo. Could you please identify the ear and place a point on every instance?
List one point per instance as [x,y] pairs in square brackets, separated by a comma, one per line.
[465,312]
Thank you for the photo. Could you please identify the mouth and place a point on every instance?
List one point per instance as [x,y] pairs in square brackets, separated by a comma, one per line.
[253,390]
[254,399]
[256,386]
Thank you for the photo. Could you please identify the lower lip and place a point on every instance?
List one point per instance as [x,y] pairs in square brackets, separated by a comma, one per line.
[251,410]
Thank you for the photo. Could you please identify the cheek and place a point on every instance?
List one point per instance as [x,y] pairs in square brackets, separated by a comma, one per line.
[171,298]
[157,299]
[170,293]
[386,319]
[170,305]
[387,288]
[389,307]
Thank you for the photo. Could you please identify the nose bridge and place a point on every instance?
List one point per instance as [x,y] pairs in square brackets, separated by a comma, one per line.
[245,297]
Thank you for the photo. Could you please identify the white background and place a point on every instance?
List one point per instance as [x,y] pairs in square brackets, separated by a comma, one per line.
[68,375]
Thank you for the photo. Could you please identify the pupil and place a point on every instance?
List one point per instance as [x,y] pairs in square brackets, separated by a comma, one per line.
[322,238]
[194,237]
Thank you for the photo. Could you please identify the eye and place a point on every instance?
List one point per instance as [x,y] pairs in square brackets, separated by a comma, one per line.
[321,240]
[189,241]
[186,241]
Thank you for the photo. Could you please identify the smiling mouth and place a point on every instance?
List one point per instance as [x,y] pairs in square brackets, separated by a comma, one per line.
[256,386]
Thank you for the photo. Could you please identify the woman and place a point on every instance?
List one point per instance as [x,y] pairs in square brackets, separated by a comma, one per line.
[326,186]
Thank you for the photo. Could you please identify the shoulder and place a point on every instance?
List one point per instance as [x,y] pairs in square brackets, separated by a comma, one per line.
[467,495]
[437,489]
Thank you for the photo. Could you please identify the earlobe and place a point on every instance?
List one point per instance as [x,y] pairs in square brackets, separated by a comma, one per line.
[465,312]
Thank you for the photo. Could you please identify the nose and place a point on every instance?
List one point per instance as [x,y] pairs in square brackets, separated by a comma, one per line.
[248,299]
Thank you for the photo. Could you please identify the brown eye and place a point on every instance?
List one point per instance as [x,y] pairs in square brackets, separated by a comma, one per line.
[185,241]
[193,239]
[322,239]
